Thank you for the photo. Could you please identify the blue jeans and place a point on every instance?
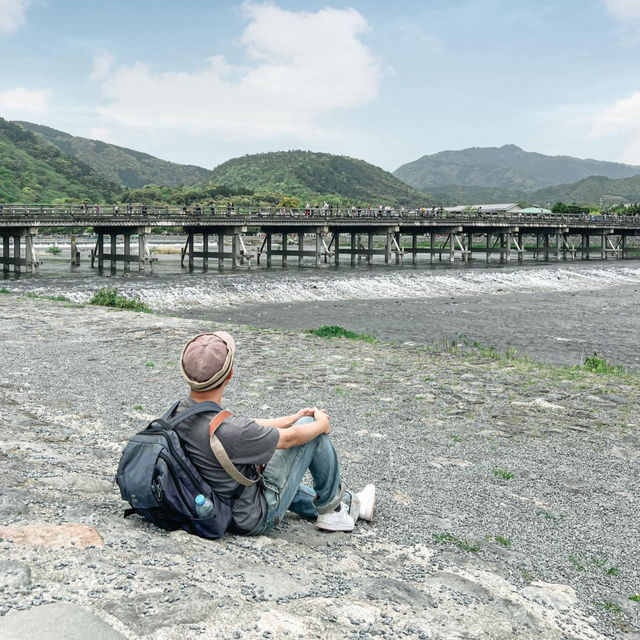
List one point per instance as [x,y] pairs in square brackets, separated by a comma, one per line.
[282,478]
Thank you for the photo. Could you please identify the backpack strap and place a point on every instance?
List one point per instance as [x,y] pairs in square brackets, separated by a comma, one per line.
[221,454]
[198,407]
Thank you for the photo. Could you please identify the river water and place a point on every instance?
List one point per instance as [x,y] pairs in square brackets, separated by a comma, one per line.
[554,312]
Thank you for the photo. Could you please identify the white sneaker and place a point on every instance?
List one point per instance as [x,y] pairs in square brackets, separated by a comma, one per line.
[366,498]
[336,520]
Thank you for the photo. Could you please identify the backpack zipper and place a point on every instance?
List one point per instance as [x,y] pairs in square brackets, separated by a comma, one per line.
[177,482]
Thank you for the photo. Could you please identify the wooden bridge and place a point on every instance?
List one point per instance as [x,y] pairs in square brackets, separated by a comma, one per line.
[394,235]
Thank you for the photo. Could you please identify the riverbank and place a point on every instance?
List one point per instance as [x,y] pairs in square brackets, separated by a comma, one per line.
[507,491]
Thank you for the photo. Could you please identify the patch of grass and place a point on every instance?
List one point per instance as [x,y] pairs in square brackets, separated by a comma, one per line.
[5,291]
[548,515]
[593,563]
[109,297]
[150,365]
[635,597]
[138,407]
[526,575]
[333,331]
[505,542]
[610,606]
[503,473]
[41,297]
[461,543]
[58,298]
[456,438]
[54,250]
[596,364]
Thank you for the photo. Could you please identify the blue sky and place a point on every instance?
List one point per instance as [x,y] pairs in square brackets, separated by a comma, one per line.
[201,82]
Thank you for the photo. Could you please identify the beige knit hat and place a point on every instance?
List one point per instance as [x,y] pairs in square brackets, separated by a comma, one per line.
[207,359]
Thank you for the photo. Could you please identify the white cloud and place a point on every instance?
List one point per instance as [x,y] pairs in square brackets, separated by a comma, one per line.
[12,15]
[624,10]
[15,103]
[622,118]
[302,66]
[102,63]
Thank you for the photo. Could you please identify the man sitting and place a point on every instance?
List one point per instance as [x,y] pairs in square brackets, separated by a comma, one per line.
[288,446]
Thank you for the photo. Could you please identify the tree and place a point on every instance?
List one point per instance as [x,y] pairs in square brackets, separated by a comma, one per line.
[559,207]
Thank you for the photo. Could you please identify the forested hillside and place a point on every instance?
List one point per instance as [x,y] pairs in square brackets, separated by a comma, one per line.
[33,170]
[127,167]
[315,176]
[595,189]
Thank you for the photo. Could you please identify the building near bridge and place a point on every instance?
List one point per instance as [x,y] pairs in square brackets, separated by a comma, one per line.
[490,209]
[532,211]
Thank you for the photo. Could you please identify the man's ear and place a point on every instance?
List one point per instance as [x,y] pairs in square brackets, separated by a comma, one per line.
[229,376]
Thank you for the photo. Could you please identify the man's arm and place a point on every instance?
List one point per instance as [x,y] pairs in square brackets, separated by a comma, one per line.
[284,422]
[303,433]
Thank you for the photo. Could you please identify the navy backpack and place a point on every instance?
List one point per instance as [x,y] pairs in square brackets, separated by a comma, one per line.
[160,483]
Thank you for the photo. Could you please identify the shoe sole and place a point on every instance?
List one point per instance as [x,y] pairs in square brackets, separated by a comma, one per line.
[336,528]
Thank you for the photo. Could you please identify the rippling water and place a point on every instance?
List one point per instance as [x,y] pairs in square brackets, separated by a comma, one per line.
[557,312]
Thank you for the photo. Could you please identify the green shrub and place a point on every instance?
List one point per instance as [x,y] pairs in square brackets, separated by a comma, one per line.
[108,297]
[54,250]
[596,364]
[503,473]
[332,331]
[5,291]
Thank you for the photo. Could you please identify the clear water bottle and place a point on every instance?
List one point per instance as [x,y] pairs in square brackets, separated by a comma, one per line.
[204,506]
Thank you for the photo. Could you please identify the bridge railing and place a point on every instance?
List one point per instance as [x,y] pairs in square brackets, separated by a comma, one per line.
[88,214]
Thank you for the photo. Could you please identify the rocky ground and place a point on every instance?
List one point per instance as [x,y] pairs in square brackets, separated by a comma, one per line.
[507,506]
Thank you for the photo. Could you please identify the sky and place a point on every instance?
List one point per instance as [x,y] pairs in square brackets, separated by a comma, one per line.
[203,81]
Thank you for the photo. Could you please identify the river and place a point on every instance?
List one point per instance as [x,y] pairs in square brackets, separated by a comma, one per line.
[553,312]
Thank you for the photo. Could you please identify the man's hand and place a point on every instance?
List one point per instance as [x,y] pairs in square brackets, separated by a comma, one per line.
[322,417]
[299,434]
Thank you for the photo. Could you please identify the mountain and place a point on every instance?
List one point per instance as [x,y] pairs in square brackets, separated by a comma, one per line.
[129,168]
[454,194]
[315,176]
[595,189]
[33,170]
[506,167]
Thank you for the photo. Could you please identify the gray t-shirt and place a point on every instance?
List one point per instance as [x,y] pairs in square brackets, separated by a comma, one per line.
[247,444]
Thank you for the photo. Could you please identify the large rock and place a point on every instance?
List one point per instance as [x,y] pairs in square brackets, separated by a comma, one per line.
[557,596]
[70,534]
[56,622]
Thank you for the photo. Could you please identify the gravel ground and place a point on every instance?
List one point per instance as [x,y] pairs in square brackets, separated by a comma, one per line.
[507,490]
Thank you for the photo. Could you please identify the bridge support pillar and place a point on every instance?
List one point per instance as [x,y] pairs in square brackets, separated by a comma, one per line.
[414,248]
[387,248]
[431,243]
[318,248]
[269,243]
[469,246]
[603,246]
[546,246]
[127,252]
[520,247]
[353,248]
[300,248]
[336,247]
[488,258]
[370,248]
[285,248]
[14,237]
[558,245]
[452,246]
[220,248]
